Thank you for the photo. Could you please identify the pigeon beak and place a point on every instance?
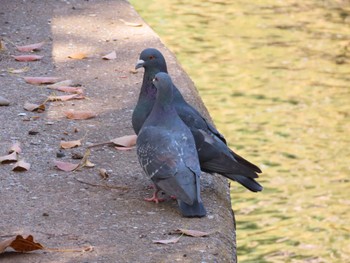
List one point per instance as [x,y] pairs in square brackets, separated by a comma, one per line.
[139,64]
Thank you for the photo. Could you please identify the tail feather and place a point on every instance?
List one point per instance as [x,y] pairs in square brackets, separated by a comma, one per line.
[247,182]
[195,210]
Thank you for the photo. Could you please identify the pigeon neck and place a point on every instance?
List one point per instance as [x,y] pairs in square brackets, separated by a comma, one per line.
[165,98]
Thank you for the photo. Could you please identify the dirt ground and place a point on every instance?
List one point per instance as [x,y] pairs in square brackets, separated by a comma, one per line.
[72,210]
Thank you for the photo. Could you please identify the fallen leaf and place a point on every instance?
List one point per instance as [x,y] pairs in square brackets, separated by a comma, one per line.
[20,244]
[34,107]
[9,158]
[66,82]
[110,56]
[89,164]
[64,166]
[70,144]
[125,141]
[130,23]
[66,97]
[40,80]
[27,58]
[80,115]
[16,147]
[21,166]
[167,241]
[192,233]
[103,173]
[68,89]
[17,71]
[122,148]
[78,55]
[29,48]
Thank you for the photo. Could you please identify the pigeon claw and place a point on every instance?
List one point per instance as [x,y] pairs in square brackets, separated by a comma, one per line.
[155,198]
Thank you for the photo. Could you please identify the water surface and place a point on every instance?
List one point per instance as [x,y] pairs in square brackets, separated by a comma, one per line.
[275,77]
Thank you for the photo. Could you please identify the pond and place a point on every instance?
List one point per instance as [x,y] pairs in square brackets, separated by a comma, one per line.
[275,77]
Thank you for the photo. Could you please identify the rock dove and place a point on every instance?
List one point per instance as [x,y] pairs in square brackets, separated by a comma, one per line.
[167,152]
[214,154]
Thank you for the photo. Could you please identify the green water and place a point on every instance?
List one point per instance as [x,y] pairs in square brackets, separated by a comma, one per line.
[275,77]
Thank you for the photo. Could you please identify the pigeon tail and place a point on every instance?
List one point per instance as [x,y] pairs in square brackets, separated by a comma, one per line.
[247,182]
[195,210]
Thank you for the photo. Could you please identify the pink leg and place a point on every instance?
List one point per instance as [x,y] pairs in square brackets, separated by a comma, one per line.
[154,198]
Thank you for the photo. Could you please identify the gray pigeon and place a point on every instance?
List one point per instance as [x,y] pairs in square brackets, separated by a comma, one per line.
[214,155]
[167,152]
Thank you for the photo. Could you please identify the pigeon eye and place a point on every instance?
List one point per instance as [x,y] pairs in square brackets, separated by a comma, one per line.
[151,57]
[155,79]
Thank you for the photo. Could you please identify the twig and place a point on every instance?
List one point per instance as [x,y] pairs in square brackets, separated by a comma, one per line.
[109,143]
[120,187]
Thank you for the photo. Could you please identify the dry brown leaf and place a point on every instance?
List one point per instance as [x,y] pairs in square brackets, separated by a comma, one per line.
[125,141]
[27,58]
[12,157]
[103,173]
[192,233]
[16,147]
[67,89]
[66,97]
[20,244]
[40,80]
[34,107]
[130,23]
[79,115]
[70,144]
[32,47]
[64,166]
[78,55]
[110,56]
[21,166]
[167,241]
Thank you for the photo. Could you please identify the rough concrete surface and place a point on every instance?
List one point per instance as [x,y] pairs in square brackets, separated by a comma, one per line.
[55,206]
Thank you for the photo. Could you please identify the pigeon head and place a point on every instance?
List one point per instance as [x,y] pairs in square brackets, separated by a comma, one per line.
[151,58]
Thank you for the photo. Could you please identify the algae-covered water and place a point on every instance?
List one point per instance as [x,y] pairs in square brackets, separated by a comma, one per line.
[275,76]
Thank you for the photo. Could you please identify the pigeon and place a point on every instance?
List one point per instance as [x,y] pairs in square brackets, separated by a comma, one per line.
[214,154]
[167,152]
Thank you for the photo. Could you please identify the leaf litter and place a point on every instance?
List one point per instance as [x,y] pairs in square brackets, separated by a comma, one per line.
[16,147]
[70,144]
[78,55]
[67,89]
[167,241]
[31,47]
[66,97]
[41,80]
[67,82]
[21,244]
[65,166]
[79,115]
[27,58]
[28,106]
[12,157]
[21,166]
[192,233]
[110,56]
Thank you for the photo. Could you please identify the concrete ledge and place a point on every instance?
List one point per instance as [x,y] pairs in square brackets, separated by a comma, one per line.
[52,205]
